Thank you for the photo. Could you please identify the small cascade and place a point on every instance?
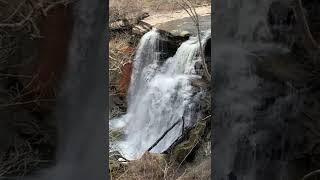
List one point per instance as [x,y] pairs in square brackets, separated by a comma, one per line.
[254,116]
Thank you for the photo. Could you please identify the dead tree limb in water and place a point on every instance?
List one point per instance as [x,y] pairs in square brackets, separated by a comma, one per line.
[182,131]
[187,6]
[164,134]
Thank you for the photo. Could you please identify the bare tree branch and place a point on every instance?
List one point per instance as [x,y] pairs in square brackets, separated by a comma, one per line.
[190,9]
[18,24]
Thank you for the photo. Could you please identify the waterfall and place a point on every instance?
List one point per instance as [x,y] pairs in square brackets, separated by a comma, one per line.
[160,94]
[251,113]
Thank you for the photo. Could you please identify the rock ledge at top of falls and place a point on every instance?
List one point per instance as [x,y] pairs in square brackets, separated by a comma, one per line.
[179,22]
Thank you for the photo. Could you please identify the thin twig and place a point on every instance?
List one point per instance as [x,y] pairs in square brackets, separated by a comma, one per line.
[190,9]
[15,75]
[188,153]
[18,24]
[26,102]
[15,11]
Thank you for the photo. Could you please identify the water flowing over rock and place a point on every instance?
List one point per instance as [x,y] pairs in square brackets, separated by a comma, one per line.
[160,94]
[258,126]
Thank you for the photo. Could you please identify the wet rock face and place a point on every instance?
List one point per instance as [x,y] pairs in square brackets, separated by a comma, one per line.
[207,53]
[169,44]
[198,66]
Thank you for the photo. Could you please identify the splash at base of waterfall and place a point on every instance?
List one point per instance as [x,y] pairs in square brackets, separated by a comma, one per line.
[160,94]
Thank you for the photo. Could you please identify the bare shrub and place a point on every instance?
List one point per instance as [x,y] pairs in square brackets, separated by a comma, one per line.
[121,52]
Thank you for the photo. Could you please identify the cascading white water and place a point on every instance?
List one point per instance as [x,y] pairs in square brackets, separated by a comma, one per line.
[251,132]
[159,96]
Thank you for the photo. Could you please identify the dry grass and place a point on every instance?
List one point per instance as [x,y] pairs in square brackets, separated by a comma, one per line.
[121,51]
[157,167]
[199,172]
[118,55]
[150,166]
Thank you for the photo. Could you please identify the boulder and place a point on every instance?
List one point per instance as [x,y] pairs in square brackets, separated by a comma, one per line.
[185,34]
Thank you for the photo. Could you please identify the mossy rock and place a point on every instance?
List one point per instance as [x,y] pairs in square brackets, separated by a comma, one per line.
[185,34]
[181,151]
[116,135]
